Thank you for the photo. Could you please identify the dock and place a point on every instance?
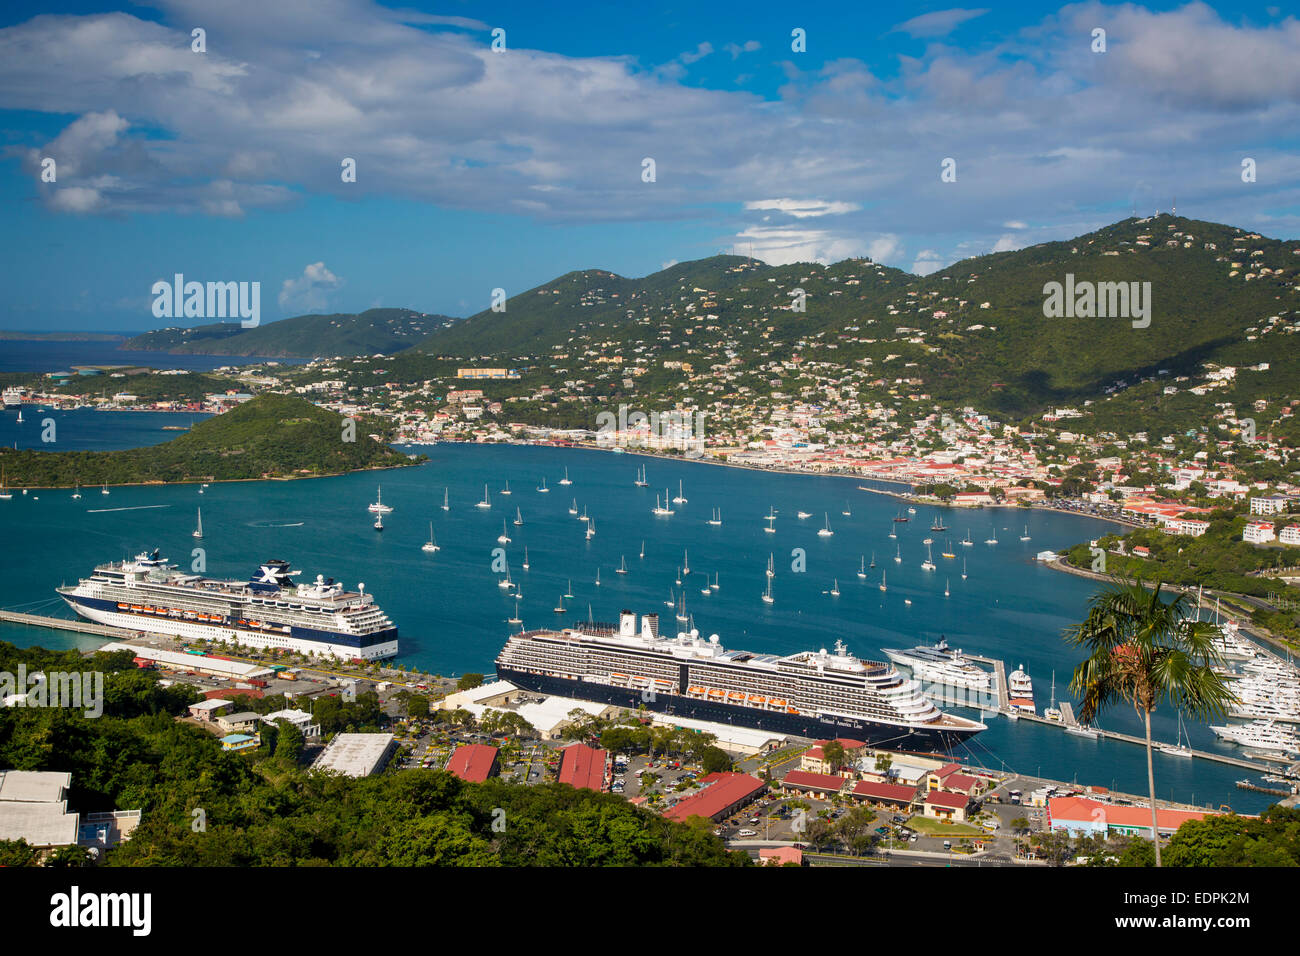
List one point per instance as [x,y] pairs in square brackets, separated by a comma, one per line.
[67,624]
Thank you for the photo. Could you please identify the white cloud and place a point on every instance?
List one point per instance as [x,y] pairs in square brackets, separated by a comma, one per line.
[736,49]
[310,291]
[803,208]
[927,261]
[701,51]
[1015,224]
[937,24]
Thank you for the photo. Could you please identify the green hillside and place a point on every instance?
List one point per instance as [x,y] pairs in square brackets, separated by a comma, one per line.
[270,436]
[304,336]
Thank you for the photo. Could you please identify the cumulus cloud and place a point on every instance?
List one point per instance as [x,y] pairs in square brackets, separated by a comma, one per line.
[803,208]
[310,291]
[736,49]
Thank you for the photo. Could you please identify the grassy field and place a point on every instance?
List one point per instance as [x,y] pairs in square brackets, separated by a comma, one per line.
[929,826]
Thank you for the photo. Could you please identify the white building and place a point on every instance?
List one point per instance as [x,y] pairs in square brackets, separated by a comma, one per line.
[1271,505]
[1290,534]
[1257,532]
[1187,526]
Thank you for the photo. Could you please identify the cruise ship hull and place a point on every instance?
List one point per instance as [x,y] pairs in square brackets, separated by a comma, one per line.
[301,640]
[775,722]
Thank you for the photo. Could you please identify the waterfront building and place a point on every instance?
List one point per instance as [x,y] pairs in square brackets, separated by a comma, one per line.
[720,795]
[1081,816]
[942,805]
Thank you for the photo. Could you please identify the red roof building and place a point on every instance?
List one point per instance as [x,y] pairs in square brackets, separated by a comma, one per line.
[946,806]
[583,767]
[719,795]
[473,762]
[780,856]
[801,781]
[1080,815]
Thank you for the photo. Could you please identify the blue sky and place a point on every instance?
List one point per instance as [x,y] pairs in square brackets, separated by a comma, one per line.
[478,170]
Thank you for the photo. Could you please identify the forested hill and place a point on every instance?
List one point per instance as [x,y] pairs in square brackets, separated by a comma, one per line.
[304,336]
[270,436]
[974,332]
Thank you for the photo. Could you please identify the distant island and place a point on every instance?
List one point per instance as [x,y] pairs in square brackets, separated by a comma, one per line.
[20,336]
[305,336]
[270,436]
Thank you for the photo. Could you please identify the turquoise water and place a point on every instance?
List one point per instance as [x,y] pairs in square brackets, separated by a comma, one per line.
[452,616]
[88,429]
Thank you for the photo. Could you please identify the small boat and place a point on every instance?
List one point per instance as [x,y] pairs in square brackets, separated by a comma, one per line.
[379,522]
[597,577]
[565,480]
[104,490]
[77,493]
[927,540]
[967,542]
[898,554]
[928,563]
[430,546]
[519,518]
[804,514]
[1025,536]
[559,608]
[994,539]
[681,495]
[622,568]
[446,499]
[515,619]
[963,569]
[717,517]
[486,502]
[835,588]
[542,487]
[825,531]
[767,595]
[862,566]
[686,562]
[591,530]
[526,565]
[907,601]
[573,508]
[911,511]
[377,507]
[771,516]
[503,538]
[643,549]
[569,592]
[945,587]
[640,477]
[771,569]
[883,586]
[506,489]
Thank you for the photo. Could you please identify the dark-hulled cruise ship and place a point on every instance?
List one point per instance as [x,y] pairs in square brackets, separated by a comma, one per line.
[809,694]
[267,611]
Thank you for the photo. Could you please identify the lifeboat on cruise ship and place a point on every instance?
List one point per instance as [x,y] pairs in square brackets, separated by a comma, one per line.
[735,695]
[695,691]
[122,607]
[714,692]
[137,608]
[792,710]
[776,702]
[756,700]
[622,678]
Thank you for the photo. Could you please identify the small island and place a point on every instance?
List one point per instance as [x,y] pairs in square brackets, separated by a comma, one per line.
[269,436]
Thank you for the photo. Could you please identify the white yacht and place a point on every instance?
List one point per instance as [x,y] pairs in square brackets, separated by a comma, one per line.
[486,502]
[938,664]
[377,507]
[1020,691]
[825,531]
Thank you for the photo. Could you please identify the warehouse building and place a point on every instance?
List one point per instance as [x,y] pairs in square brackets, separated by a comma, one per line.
[584,767]
[356,755]
[720,794]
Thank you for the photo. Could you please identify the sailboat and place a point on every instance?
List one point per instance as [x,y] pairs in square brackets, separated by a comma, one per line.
[938,523]
[583,516]
[825,531]
[519,518]
[681,495]
[640,477]
[559,608]
[526,559]
[430,545]
[945,587]
[662,509]
[835,588]
[898,554]
[1025,536]
[446,499]
[994,539]
[892,532]
[771,568]
[963,569]
[505,583]
[506,489]
[569,593]
[597,576]
[862,566]
[846,512]
[20,416]
[682,616]
[717,517]
[707,589]
[591,529]
[1179,749]
[949,553]
[503,538]
[771,516]
[873,560]
[379,522]
[77,493]
[717,580]
[928,563]
[377,507]
[1053,712]
[678,579]
[515,619]
[104,490]
[573,508]
[672,598]
[486,502]
[643,549]
[967,542]
[565,480]
[686,562]
[198,530]
[622,568]
[883,587]
[542,487]
[767,595]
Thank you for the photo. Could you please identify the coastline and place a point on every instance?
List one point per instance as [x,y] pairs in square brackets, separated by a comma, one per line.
[213,481]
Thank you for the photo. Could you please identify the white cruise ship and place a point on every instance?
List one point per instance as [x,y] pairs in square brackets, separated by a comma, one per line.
[267,611]
[809,694]
[13,397]
[937,664]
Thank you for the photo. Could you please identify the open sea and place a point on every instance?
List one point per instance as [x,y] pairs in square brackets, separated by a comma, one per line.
[40,355]
[452,616]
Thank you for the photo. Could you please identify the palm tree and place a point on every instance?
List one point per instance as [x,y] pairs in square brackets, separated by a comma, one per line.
[1145,651]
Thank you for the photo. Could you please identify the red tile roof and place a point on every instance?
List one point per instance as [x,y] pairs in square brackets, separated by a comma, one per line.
[961,781]
[781,855]
[947,769]
[885,792]
[720,792]
[813,781]
[1081,809]
[953,801]
[583,767]
[473,762]
[848,743]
